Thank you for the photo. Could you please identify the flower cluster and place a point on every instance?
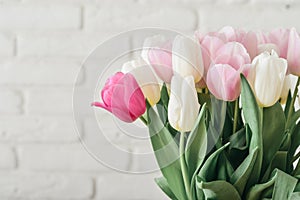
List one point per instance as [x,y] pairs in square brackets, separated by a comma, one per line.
[232,87]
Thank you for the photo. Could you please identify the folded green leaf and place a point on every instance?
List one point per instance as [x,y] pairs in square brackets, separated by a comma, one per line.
[284,186]
[208,170]
[167,154]
[282,183]
[220,190]
[241,175]
[295,196]
[279,161]
[163,184]
[254,117]
[273,132]
[197,143]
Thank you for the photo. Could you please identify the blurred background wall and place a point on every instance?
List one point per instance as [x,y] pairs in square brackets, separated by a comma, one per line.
[42,46]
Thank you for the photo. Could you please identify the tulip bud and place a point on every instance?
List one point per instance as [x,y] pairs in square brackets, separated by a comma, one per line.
[157,51]
[267,78]
[187,58]
[122,97]
[223,81]
[145,78]
[293,54]
[183,105]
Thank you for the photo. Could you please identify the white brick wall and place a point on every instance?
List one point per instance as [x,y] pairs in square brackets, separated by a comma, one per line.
[42,46]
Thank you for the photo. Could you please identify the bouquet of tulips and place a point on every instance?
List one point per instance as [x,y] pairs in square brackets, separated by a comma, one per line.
[221,109]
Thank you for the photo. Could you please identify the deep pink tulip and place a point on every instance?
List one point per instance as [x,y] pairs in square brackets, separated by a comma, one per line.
[123,97]
[223,81]
[293,53]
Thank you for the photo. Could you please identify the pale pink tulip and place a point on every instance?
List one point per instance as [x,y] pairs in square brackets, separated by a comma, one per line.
[223,81]
[223,78]
[157,51]
[161,61]
[280,37]
[234,54]
[293,53]
[123,97]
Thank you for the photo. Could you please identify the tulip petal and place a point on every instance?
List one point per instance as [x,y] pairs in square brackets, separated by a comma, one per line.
[187,58]
[293,54]
[223,81]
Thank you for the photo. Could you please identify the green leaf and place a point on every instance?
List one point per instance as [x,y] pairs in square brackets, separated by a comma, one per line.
[284,186]
[167,154]
[163,184]
[208,170]
[273,132]
[295,196]
[282,183]
[164,95]
[279,161]
[162,105]
[220,190]
[197,143]
[295,142]
[288,103]
[239,144]
[253,116]
[294,118]
[241,175]
[224,167]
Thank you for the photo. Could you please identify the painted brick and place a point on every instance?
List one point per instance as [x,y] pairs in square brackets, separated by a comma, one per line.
[129,187]
[37,129]
[7,158]
[7,42]
[43,71]
[115,17]
[10,102]
[40,17]
[29,185]
[60,157]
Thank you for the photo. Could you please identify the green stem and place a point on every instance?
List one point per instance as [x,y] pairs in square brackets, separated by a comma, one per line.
[184,171]
[296,157]
[291,108]
[236,110]
[144,120]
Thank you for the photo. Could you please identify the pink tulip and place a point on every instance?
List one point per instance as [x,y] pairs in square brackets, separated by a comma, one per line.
[122,97]
[223,77]
[223,82]
[157,52]
[293,53]
[234,54]
[161,60]
[280,37]
[210,45]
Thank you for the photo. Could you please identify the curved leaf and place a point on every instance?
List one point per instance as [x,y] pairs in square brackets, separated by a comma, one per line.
[253,116]
[282,183]
[220,190]
[273,132]
[208,170]
[241,175]
[167,153]
[197,143]
[163,184]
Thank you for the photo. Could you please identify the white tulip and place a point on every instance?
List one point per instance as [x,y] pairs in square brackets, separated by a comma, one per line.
[267,77]
[187,58]
[145,78]
[183,104]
